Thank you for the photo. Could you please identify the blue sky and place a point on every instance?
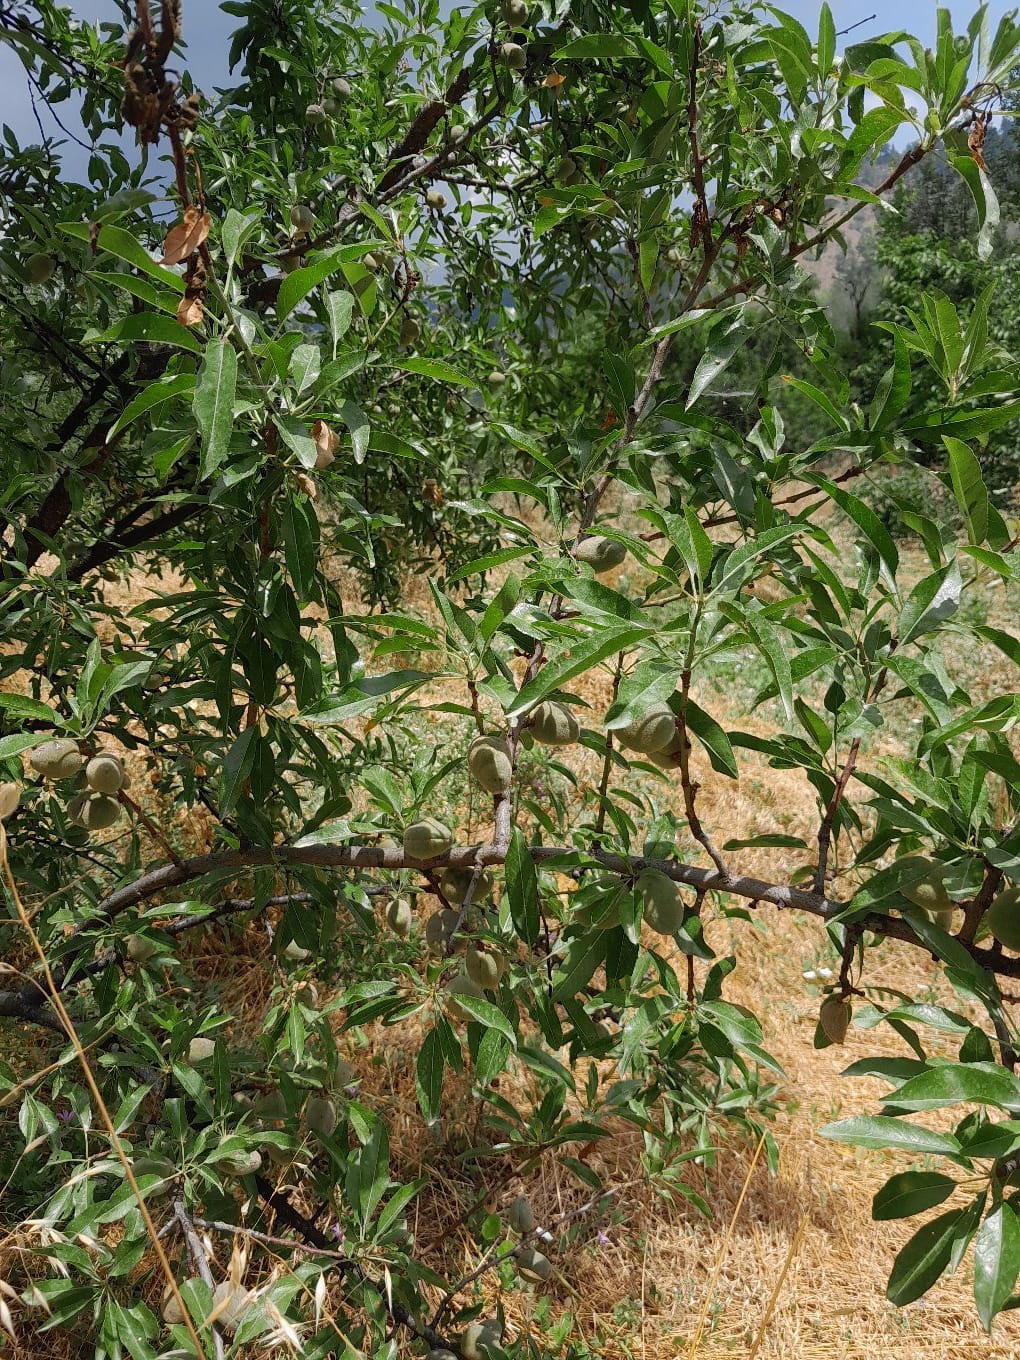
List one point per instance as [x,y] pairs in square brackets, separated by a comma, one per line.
[207,30]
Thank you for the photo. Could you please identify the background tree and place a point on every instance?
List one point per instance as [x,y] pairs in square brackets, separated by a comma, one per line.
[462,298]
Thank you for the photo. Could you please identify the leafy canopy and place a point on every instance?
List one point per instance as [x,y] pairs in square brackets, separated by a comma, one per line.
[454,299]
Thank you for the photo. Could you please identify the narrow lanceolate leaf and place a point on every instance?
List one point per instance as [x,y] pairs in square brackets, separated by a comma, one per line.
[923,1259]
[969,488]
[583,656]
[429,1076]
[522,889]
[713,738]
[213,403]
[883,1131]
[911,1192]
[996,1261]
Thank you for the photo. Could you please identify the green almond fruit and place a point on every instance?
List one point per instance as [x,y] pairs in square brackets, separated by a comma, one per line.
[1003,918]
[514,56]
[603,913]
[302,219]
[99,812]
[520,1215]
[230,1306]
[490,765]
[567,170]
[461,985]
[172,1314]
[399,917]
[668,758]
[652,730]
[409,330]
[929,890]
[554,724]
[436,199]
[439,930]
[319,1116]
[270,1105]
[39,268]
[427,839]
[663,905]
[153,1166]
[10,796]
[59,759]
[139,948]
[484,966]
[532,1265]
[834,1016]
[105,774]
[479,1338]
[601,554]
[341,88]
[201,1049]
[454,884]
[242,1164]
[316,113]
[515,12]
[496,378]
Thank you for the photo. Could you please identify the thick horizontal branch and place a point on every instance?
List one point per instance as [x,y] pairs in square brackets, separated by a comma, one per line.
[392,858]
[17,1006]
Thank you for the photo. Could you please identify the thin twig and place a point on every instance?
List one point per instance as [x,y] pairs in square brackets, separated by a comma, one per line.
[200,1262]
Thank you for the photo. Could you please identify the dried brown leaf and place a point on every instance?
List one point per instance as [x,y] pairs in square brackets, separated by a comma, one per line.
[183,240]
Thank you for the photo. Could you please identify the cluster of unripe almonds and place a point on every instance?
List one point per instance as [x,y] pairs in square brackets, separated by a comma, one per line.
[515,15]
[94,804]
[928,891]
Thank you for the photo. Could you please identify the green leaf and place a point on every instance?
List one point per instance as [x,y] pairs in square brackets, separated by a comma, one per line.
[985,200]
[968,488]
[521,882]
[153,328]
[934,599]
[299,525]
[237,766]
[357,422]
[826,40]
[982,1083]
[154,395]
[340,310]
[713,738]
[436,368]
[924,1258]
[429,1075]
[21,706]
[583,956]
[488,1015]
[996,1261]
[768,842]
[717,357]
[213,403]
[122,244]
[580,658]
[865,519]
[911,1192]
[882,1131]
[296,287]
[373,1175]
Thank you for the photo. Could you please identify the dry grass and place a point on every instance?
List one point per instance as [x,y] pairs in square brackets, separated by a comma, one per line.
[637,1289]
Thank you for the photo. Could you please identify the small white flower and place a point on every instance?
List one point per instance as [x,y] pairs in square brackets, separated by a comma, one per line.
[810,975]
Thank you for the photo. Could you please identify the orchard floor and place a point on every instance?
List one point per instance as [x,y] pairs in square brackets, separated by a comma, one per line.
[799,1271]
